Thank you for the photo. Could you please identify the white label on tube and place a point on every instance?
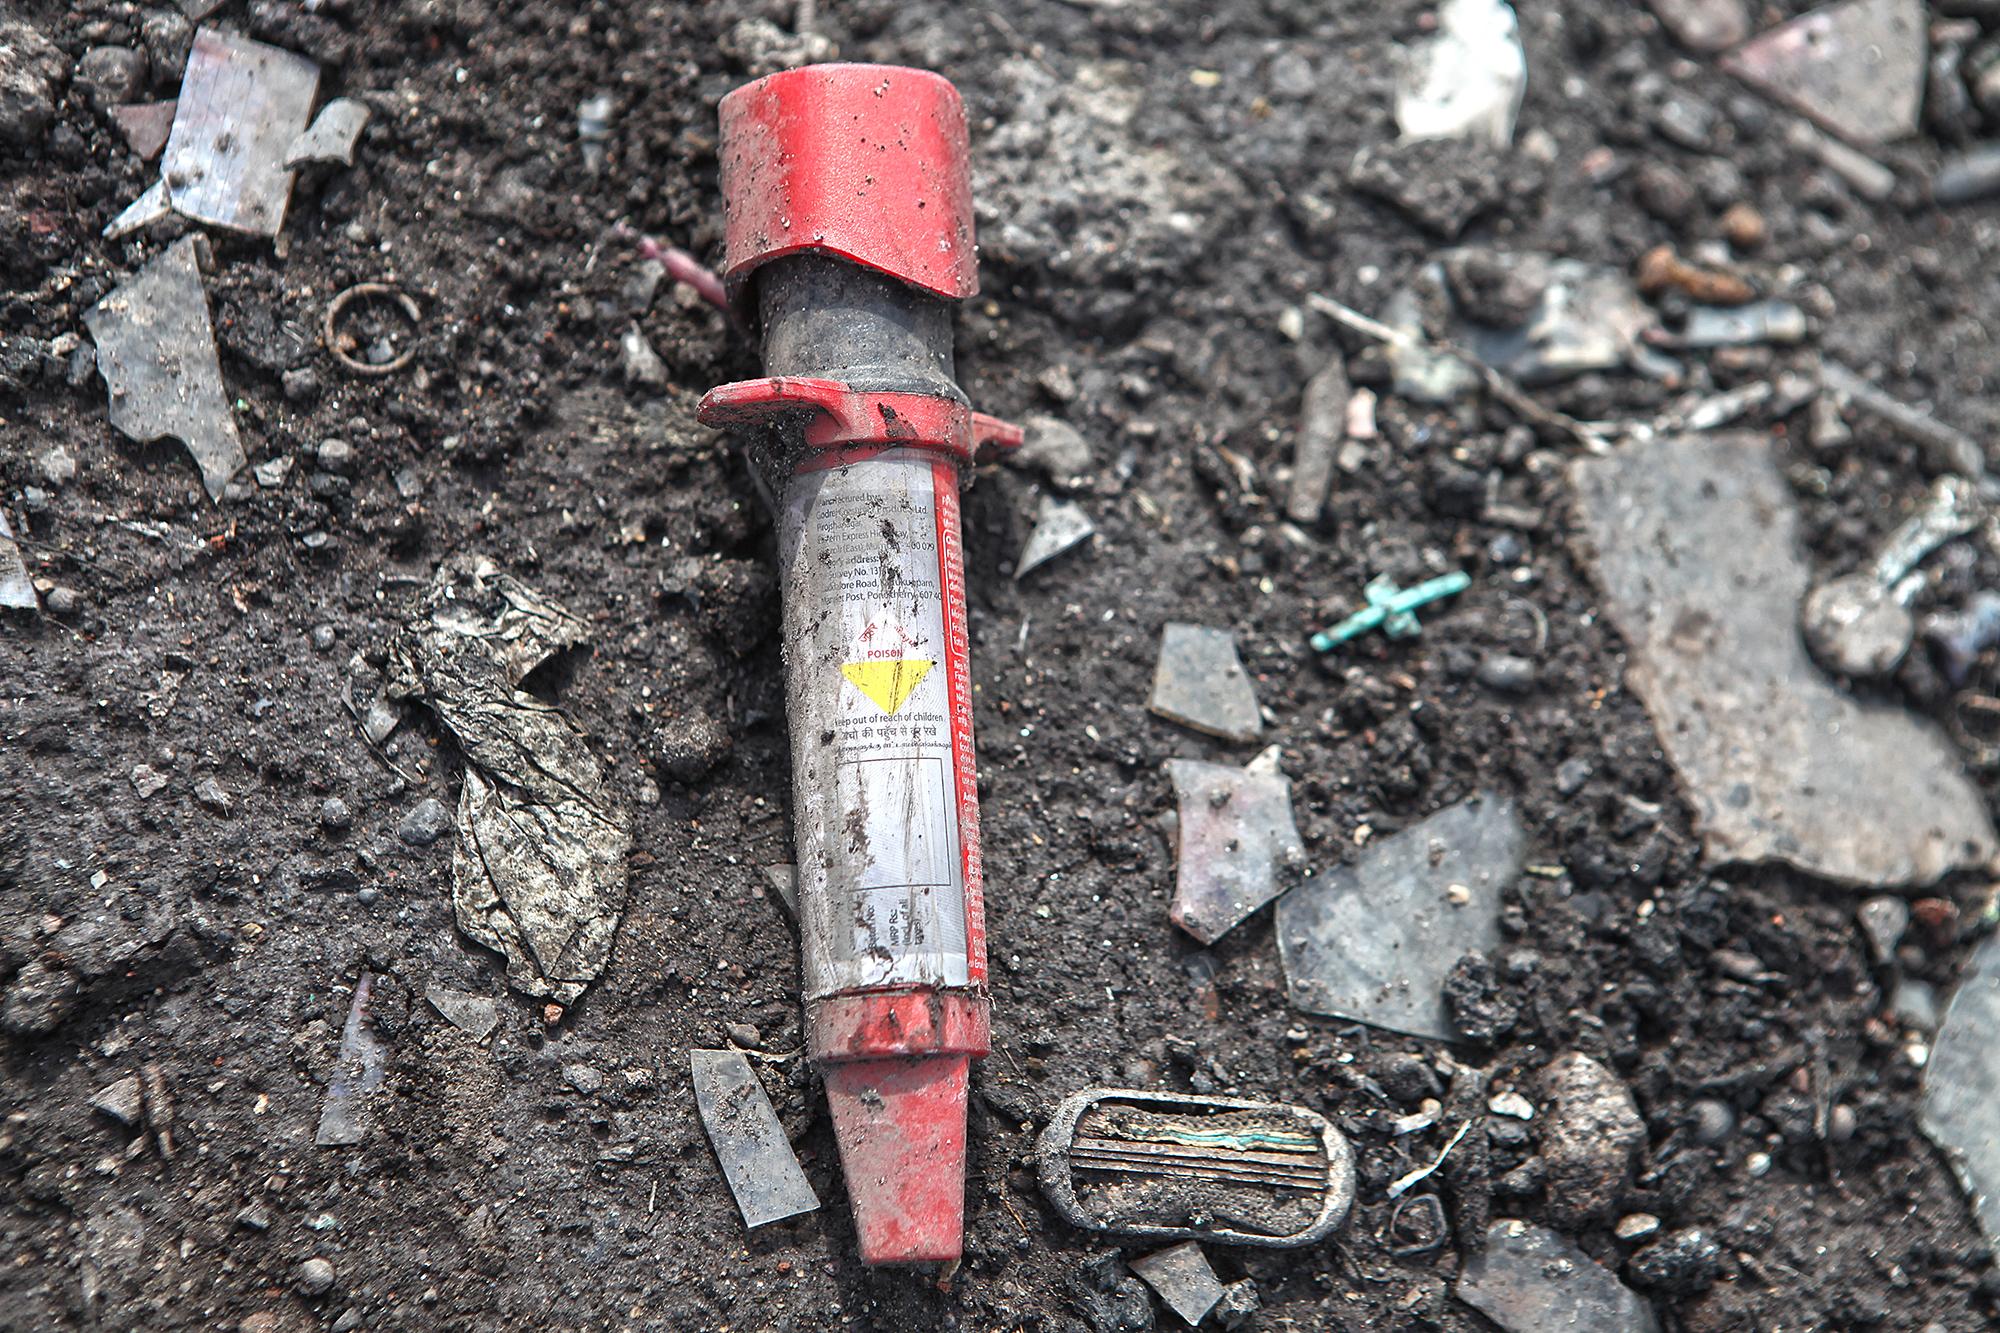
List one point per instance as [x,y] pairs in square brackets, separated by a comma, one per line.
[875,785]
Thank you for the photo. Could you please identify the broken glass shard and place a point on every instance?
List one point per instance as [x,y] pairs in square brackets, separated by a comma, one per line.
[1059,526]
[1238,845]
[1742,325]
[1695,544]
[756,1157]
[1200,683]
[17,590]
[469,1013]
[784,881]
[332,135]
[538,872]
[156,351]
[1375,940]
[1530,1280]
[1961,1107]
[1183,1278]
[147,209]
[242,103]
[363,1057]
[1856,67]
[1467,80]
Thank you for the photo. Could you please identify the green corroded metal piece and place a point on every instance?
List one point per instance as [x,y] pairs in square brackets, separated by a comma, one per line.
[1391,609]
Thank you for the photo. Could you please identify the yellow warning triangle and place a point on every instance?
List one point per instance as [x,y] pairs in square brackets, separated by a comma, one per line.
[889,682]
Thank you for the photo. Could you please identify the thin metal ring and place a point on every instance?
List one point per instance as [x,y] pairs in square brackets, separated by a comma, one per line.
[358,291]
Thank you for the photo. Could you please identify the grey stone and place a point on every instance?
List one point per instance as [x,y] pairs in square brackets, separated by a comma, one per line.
[688,748]
[167,37]
[271,473]
[425,824]
[1915,1005]
[1375,940]
[1589,1137]
[1706,26]
[31,74]
[111,75]
[39,999]
[1883,919]
[1054,446]
[336,456]
[147,781]
[1506,673]
[57,466]
[586,1079]
[1683,1264]
[322,638]
[1527,1279]
[212,795]
[332,135]
[1322,426]
[254,1217]
[1711,1122]
[122,1101]
[315,1277]
[642,365]
[334,816]
[1694,542]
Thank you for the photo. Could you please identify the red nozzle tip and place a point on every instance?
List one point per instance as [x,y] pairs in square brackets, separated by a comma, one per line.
[901,1128]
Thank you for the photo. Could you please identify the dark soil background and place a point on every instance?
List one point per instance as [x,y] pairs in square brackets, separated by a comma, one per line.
[1160,186]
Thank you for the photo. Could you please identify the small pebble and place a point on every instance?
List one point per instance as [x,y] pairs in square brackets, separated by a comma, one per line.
[1743,226]
[1711,1122]
[334,816]
[1757,1163]
[62,601]
[1841,1123]
[368,896]
[336,456]
[112,75]
[322,638]
[1507,673]
[746,1036]
[1512,1104]
[425,824]
[315,1277]
[1883,919]
[254,1216]
[586,1079]
[58,467]
[209,793]
[1637,1226]
[147,780]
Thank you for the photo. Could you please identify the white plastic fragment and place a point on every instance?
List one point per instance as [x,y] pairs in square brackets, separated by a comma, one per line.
[17,590]
[156,351]
[1467,81]
[332,135]
[242,103]
[1061,525]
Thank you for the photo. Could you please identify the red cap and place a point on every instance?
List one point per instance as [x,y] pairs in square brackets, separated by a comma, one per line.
[901,1128]
[869,163]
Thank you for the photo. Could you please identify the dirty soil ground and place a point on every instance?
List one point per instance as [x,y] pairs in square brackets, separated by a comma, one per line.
[1160,187]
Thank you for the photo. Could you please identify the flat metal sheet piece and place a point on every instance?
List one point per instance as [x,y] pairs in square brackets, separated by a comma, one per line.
[756,1157]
